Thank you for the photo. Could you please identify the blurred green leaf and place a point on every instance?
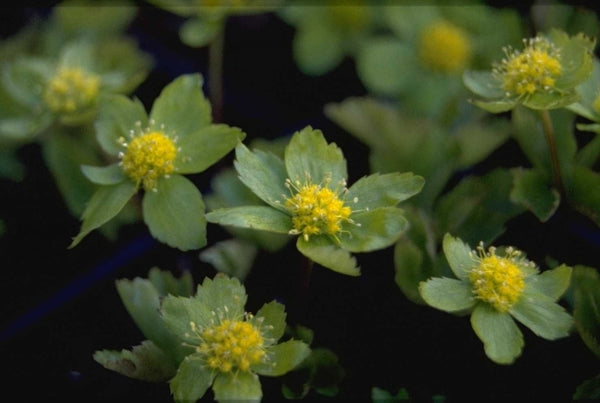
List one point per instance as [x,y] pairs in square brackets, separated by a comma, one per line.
[586,312]
[532,190]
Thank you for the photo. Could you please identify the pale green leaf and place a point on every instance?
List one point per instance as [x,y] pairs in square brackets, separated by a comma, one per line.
[447,294]
[223,294]
[483,84]
[322,251]
[174,213]
[586,312]
[199,32]
[459,255]
[373,229]
[264,173]
[208,145]
[178,313]
[241,386]
[308,157]
[283,358]
[105,204]
[385,190]
[166,283]
[503,105]
[181,107]
[192,380]
[142,301]
[532,190]
[317,47]
[233,257]
[542,315]
[256,217]
[552,283]
[118,117]
[109,175]
[145,362]
[272,324]
[502,339]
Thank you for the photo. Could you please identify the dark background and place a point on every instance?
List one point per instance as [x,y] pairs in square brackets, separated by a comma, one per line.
[59,305]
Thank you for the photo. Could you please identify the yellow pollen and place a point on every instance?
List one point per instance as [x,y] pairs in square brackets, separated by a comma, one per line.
[444,47]
[71,90]
[149,157]
[230,345]
[497,280]
[535,69]
[316,210]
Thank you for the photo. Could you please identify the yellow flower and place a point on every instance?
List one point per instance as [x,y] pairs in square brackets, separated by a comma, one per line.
[535,69]
[444,47]
[148,157]
[71,90]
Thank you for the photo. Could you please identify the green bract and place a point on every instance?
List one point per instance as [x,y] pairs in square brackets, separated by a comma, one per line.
[231,347]
[306,195]
[494,289]
[544,75]
[176,138]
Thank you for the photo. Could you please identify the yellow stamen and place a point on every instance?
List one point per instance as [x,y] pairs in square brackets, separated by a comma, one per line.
[71,90]
[444,47]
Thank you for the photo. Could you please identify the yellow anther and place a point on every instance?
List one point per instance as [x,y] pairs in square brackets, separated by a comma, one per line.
[71,90]
[444,47]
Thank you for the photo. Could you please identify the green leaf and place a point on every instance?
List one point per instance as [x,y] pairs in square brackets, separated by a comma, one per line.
[308,156]
[174,213]
[273,323]
[24,77]
[264,173]
[242,386]
[503,105]
[256,217]
[478,139]
[410,269]
[106,203]
[385,190]
[145,362]
[379,62]
[317,47]
[142,301]
[192,380]
[584,194]
[483,84]
[199,32]
[166,283]
[233,257]
[586,312]
[202,149]
[459,256]
[379,395]
[323,252]
[553,100]
[531,190]
[552,283]
[502,339]
[588,390]
[542,315]
[109,175]
[223,294]
[64,155]
[181,107]
[283,358]
[447,294]
[178,313]
[118,117]
[373,229]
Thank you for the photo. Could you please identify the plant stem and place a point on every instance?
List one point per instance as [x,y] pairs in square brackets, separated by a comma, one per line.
[215,74]
[549,133]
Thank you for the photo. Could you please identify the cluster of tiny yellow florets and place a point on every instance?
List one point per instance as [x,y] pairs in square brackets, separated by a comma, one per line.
[444,47]
[148,157]
[316,209]
[71,90]
[230,345]
[498,280]
[535,69]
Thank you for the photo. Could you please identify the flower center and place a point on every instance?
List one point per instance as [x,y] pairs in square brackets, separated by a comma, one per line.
[316,210]
[149,157]
[533,70]
[444,47]
[231,344]
[71,90]
[497,280]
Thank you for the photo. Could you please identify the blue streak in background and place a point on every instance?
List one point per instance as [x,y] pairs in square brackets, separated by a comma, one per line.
[78,286]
